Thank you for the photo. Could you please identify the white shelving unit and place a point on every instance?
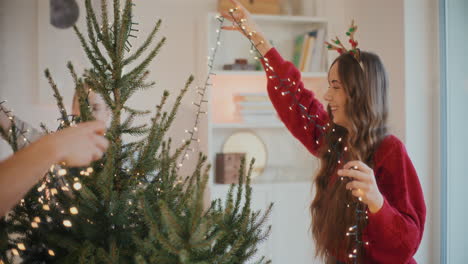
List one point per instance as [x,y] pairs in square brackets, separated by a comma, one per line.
[287,177]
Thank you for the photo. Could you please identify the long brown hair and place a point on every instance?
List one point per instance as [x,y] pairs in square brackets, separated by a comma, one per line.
[333,208]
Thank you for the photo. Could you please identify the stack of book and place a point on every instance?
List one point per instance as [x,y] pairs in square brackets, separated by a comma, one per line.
[255,108]
[309,51]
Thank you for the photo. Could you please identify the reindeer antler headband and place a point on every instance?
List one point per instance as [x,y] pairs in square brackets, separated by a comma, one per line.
[340,48]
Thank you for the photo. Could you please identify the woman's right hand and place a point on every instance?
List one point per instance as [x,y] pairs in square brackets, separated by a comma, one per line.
[243,22]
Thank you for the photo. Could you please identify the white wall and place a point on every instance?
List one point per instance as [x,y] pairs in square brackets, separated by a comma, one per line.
[422,114]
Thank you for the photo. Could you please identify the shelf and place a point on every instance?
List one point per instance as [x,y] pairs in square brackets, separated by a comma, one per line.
[246,125]
[262,73]
[286,18]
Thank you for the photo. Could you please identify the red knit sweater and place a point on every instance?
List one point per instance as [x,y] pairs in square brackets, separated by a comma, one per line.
[395,231]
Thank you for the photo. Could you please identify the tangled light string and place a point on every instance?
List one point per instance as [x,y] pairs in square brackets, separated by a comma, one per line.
[202,93]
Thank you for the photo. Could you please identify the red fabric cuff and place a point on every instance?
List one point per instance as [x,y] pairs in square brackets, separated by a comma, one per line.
[273,57]
[381,216]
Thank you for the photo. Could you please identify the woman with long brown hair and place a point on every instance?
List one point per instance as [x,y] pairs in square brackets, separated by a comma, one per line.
[369,204]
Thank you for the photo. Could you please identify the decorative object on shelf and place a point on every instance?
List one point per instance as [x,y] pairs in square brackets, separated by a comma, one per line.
[255,108]
[272,7]
[227,167]
[249,143]
[239,65]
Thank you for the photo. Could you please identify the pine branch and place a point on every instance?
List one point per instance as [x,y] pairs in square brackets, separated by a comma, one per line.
[85,112]
[124,32]
[106,39]
[58,98]
[88,51]
[143,65]
[145,44]
[92,25]
[116,25]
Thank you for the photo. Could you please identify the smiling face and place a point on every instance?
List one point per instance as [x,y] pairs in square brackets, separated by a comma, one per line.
[336,97]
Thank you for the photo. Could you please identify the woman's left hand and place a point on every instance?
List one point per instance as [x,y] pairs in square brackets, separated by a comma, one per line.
[363,184]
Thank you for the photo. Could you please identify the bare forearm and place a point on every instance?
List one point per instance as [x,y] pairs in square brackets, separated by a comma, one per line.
[262,44]
[22,170]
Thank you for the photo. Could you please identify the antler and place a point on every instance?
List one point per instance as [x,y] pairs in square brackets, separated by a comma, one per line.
[340,48]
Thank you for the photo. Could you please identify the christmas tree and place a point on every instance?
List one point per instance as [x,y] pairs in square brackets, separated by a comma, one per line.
[133,206]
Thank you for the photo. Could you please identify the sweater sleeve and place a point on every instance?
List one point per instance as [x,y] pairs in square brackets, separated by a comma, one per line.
[307,118]
[395,231]
[25,134]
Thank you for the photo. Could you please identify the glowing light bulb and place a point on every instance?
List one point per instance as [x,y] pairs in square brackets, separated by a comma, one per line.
[21,246]
[62,172]
[73,210]
[77,186]
[67,223]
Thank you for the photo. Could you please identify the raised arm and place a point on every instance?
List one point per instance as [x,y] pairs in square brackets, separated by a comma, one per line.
[299,110]
[242,15]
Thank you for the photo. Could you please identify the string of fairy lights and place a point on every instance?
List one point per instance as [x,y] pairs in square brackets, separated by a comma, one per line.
[49,185]
[13,137]
[286,86]
[201,91]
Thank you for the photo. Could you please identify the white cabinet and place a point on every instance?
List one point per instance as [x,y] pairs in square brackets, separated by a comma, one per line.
[290,240]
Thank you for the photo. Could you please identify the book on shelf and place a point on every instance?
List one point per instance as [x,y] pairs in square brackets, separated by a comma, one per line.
[260,119]
[244,104]
[318,58]
[309,51]
[303,48]
[257,112]
[299,43]
[266,105]
[309,48]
